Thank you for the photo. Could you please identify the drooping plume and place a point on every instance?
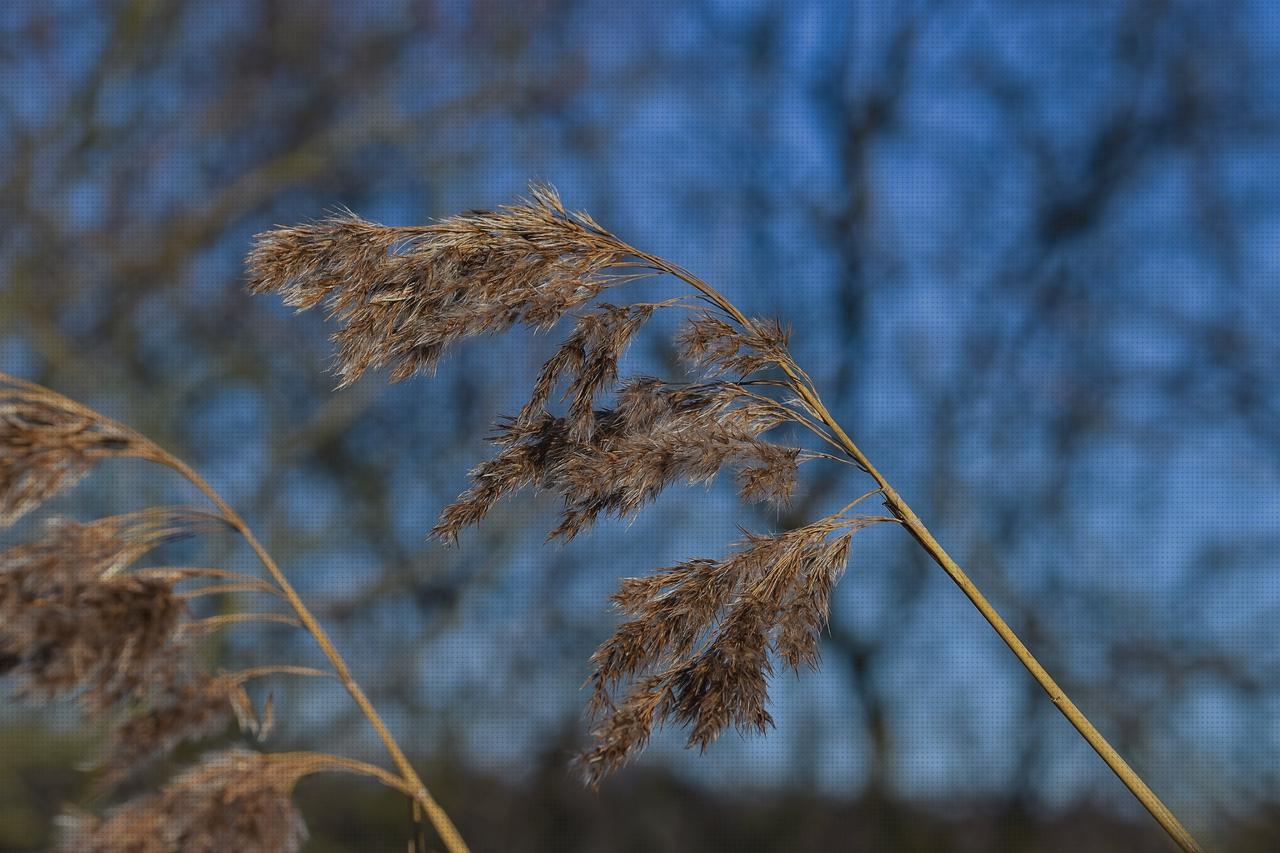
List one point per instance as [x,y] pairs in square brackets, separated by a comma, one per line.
[699,644]
[657,435]
[404,295]
[79,618]
[697,647]
[47,445]
[199,706]
[712,342]
[233,800]
[73,622]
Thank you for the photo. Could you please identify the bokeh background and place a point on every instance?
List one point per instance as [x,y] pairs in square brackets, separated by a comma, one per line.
[1029,251]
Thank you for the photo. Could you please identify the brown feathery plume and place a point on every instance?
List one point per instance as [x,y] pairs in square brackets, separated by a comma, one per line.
[76,618]
[46,447]
[712,342]
[657,436]
[72,622]
[234,800]
[103,640]
[589,357]
[101,548]
[697,647]
[198,706]
[403,295]
[190,710]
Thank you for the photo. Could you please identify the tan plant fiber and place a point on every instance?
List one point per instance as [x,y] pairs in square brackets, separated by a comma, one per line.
[200,705]
[46,447]
[698,645]
[234,800]
[80,618]
[72,621]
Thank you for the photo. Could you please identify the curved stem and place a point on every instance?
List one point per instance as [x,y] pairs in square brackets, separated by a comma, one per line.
[306,763]
[435,813]
[222,588]
[143,448]
[803,386]
[210,623]
[242,675]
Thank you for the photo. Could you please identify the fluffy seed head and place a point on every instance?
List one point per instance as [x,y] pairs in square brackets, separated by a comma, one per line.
[656,437]
[710,341]
[233,800]
[73,622]
[196,707]
[697,648]
[47,446]
[700,637]
[404,295]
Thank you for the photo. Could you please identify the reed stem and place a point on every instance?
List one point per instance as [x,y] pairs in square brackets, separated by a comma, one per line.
[899,507]
[435,813]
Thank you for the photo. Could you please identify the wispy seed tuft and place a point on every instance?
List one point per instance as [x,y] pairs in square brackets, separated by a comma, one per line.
[405,295]
[233,800]
[46,447]
[697,648]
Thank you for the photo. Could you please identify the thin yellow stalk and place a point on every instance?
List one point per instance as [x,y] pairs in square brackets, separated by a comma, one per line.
[319,762]
[210,623]
[243,675]
[222,588]
[898,506]
[181,574]
[413,783]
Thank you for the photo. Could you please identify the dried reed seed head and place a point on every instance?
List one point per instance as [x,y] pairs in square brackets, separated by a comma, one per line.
[46,447]
[305,263]
[190,709]
[673,610]
[658,435]
[72,621]
[589,360]
[625,471]
[770,475]
[103,640]
[626,731]
[728,683]
[529,451]
[698,648]
[233,800]
[806,611]
[634,646]
[404,295]
[710,341]
[69,549]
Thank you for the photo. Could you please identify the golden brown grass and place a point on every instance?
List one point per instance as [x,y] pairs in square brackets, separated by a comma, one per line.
[698,644]
[81,619]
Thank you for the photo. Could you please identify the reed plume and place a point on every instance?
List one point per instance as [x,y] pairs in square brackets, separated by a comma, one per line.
[237,800]
[81,618]
[71,620]
[404,295]
[232,800]
[46,447]
[697,649]
[201,705]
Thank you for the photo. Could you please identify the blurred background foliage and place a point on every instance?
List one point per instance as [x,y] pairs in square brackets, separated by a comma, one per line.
[1029,252]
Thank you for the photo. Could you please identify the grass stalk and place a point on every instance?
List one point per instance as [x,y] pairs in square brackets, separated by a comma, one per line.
[139,446]
[413,784]
[696,648]
[899,507]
